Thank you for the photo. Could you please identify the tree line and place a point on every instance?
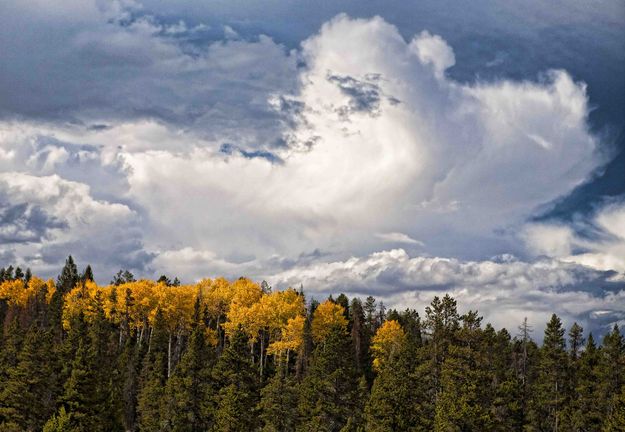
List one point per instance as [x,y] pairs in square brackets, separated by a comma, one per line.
[219,355]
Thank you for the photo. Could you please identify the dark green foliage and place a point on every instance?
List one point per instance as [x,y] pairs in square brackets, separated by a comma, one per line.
[87,275]
[29,383]
[153,378]
[329,393]
[104,372]
[550,391]
[237,388]
[187,402]
[585,410]
[464,400]
[394,396]
[278,404]
[122,277]
[69,277]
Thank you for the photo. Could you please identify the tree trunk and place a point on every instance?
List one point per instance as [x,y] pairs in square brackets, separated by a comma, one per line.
[169,356]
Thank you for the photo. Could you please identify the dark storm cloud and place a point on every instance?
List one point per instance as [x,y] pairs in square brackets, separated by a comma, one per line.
[202,72]
[95,70]
[25,223]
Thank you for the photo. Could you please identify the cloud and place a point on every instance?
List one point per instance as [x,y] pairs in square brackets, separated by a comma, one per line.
[396,237]
[116,63]
[451,164]
[151,143]
[504,292]
[25,223]
[49,218]
[597,242]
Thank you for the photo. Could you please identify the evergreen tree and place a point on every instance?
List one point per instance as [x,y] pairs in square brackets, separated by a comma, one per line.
[27,397]
[393,399]
[549,398]
[329,393]
[615,422]
[79,399]
[60,422]
[69,277]
[122,277]
[463,403]
[611,369]
[87,275]
[278,403]
[66,281]
[19,274]
[586,413]
[153,378]
[28,275]
[360,339]
[187,404]
[238,395]
[9,350]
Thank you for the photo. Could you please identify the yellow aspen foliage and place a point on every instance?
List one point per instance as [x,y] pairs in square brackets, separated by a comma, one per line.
[245,292]
[14,292]
[176,303]
[387,342]
[291,338]
[327,315]
[82,298]
[243,310]
[144,301]
[216,295]
[270,313]
[280,307]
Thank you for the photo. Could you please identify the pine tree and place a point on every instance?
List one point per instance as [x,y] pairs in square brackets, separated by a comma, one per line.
[360,339]
[549,398]
[28,275]
[391,406]
[27,397]
[60,422]
[19,274]
[89,398]
[187,403]
[87,275]
[78,399]
[153,378]
[10,348]
[615,422]
[238,388]
[128,366]
[69,277]
[505,390]
[329,393]
[66,281]
[463,403]
[611,369]
[586,414]
[102,354]
[278,403]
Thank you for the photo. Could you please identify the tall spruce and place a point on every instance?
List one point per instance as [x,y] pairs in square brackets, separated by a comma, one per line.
[550,390]
[329,393]
[237,387]
[188,399]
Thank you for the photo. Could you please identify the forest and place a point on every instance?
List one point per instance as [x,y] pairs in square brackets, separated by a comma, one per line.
[219,355]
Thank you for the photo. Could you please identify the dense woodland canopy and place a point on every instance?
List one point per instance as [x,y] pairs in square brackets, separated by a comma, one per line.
[237,356]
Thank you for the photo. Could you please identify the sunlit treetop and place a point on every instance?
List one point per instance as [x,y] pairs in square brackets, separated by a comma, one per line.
[327,316]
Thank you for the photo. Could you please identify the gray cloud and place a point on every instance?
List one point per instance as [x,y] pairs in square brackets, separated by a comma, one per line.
[504,292]
[25,223]
[114,115]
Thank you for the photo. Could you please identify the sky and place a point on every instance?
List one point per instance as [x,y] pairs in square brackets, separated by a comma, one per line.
[401,149]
